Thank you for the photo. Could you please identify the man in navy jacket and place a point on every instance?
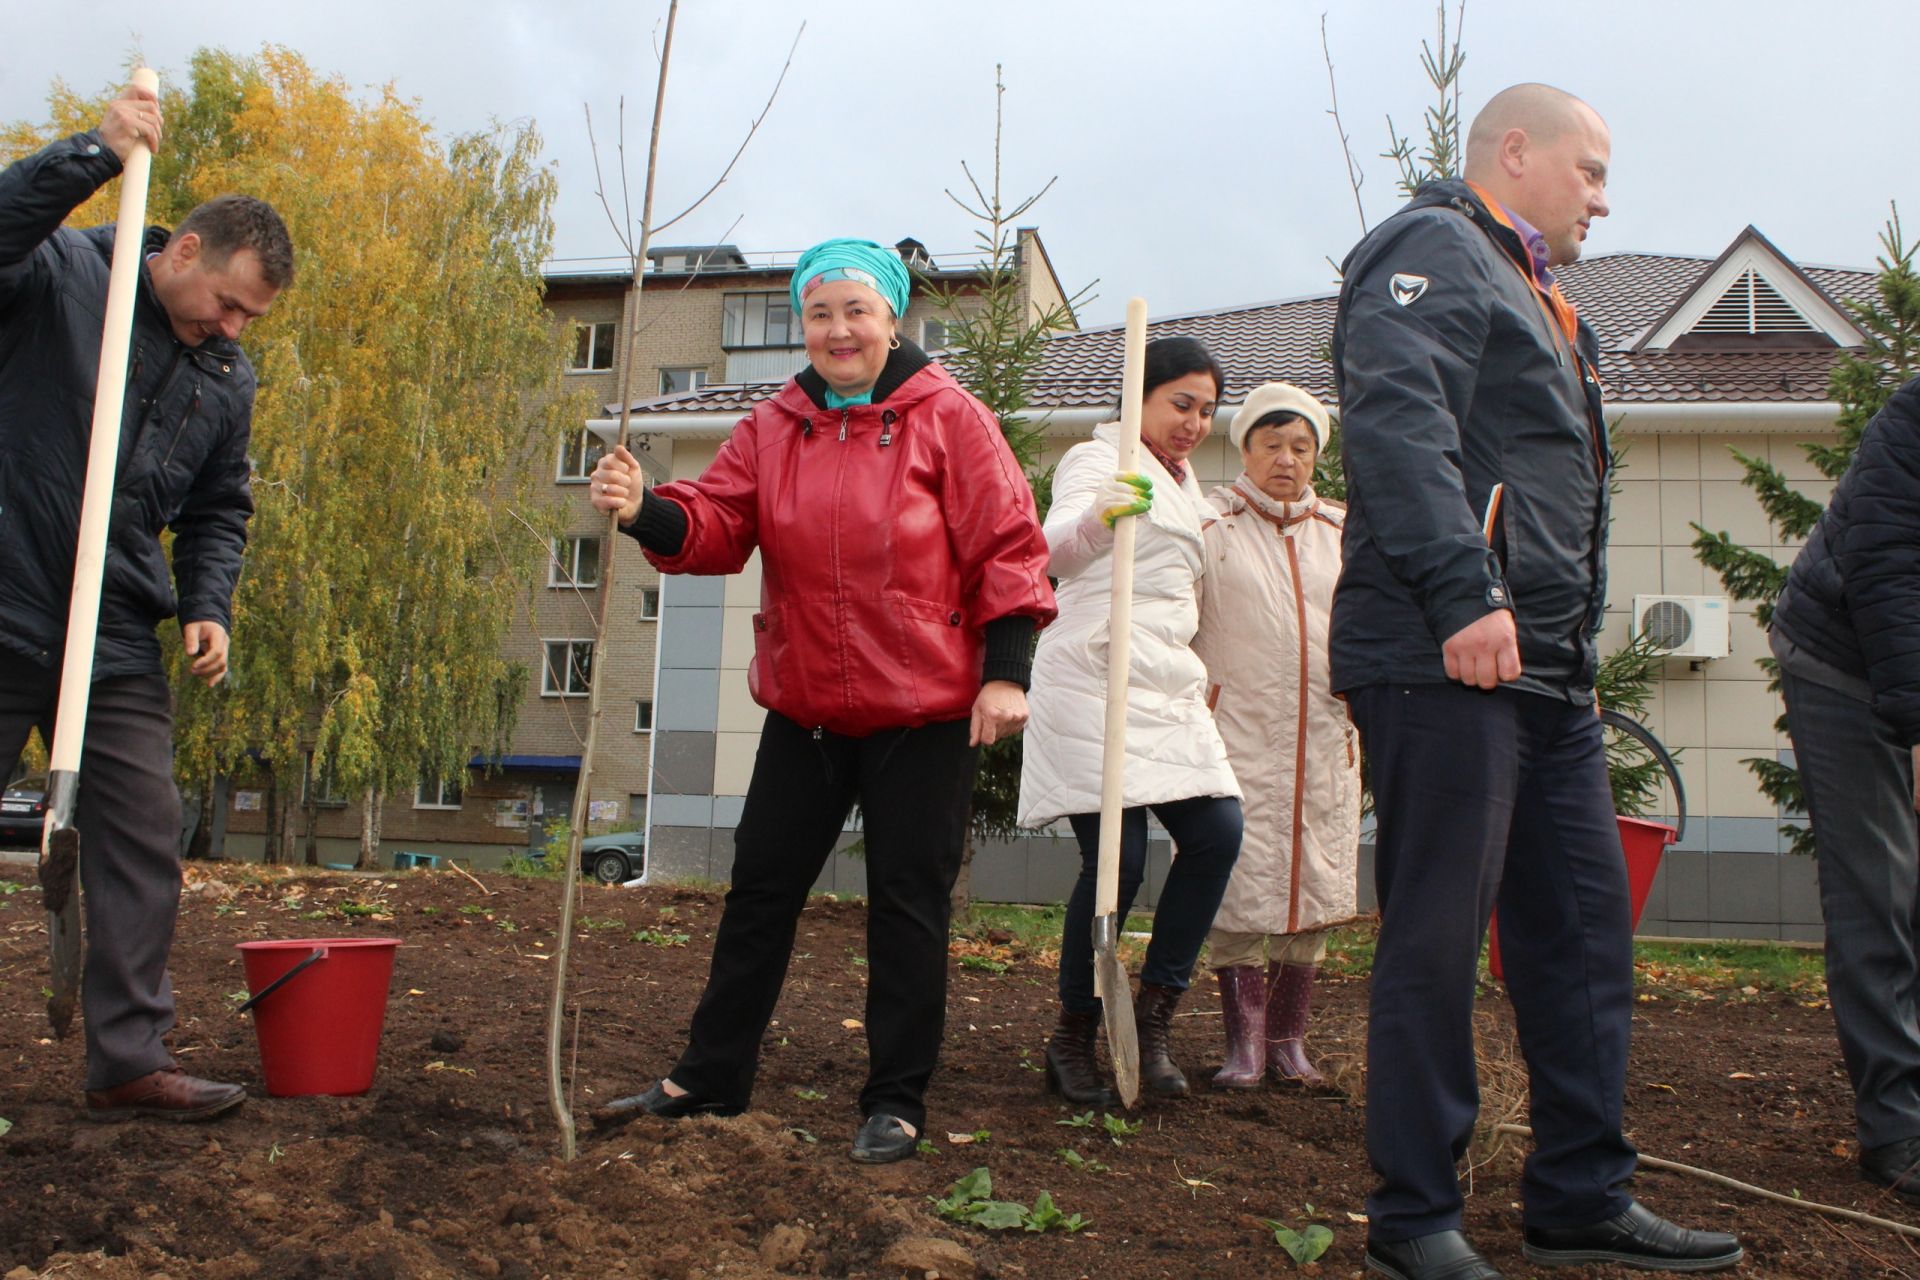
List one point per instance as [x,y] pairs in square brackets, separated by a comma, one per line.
[1463,639]
[1846,631]
[182,467]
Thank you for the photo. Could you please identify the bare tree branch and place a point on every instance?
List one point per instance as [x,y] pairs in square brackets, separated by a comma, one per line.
[751,130]
[1354,176]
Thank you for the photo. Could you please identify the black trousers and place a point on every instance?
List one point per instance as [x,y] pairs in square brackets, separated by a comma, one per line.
[913,788]
[1858,779]
[1482,795]
[128,817]
[1206,833]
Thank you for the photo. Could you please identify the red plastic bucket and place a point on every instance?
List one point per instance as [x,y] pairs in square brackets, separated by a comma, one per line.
[318,1007]
[1642,842]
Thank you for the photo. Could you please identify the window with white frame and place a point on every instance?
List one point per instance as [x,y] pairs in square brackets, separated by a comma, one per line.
[578,454]
[575,563]
[933,335]
[759,320]
[593,347]
[642,716]
[649,604]
[568,670]
[674,381]
[436,793]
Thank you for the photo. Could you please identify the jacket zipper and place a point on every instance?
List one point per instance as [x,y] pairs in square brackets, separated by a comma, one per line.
[193,407]
[147,403]
[833,543]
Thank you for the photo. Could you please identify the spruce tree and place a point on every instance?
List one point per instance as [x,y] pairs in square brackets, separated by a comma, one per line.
[996,338]
[1860,383]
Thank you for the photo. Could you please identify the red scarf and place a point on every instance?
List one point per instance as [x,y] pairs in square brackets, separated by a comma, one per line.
[1178,470]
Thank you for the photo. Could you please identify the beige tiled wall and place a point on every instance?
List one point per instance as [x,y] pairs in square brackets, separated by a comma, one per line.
[1722,713]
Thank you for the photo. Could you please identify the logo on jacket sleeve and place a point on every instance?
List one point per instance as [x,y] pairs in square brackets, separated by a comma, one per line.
[1407,287]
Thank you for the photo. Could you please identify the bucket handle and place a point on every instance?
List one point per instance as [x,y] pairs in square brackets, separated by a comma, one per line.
[318,953]
[1644,736]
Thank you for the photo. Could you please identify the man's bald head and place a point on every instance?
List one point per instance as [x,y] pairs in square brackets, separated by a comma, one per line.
[1543,154]
[1543,112]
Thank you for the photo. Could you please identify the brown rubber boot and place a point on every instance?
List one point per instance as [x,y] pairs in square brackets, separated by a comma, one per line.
[1289,1001]
[1073,1068]
[1153,1019]
[1243,1008]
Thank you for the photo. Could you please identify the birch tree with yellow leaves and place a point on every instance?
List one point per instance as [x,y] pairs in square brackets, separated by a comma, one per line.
[393,433]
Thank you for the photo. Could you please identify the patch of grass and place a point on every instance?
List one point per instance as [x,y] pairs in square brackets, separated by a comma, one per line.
[986,964]
[1350,951]
[1736,968]
[1697,968]
[655,938]
[540,868]
[359,909]
[1035,928]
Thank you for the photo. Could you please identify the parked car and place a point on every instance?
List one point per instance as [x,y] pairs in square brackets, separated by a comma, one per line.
[614,858]
[23,812]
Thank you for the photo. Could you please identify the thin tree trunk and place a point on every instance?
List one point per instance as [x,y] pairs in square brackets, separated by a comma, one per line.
[369,830]
[312,812]
[961,899]
[268,853]
[201,845]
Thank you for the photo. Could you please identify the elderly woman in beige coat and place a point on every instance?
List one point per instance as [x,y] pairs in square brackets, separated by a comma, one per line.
[1273,556]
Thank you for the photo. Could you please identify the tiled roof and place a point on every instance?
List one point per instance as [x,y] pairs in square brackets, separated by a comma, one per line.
[1619,294]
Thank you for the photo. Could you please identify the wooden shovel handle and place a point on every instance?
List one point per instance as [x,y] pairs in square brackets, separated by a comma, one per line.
[96,504]
[1113,758]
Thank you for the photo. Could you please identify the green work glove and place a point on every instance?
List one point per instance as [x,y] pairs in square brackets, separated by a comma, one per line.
[1127,493]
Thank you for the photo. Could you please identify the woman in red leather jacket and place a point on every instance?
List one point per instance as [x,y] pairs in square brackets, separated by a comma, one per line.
[903,575]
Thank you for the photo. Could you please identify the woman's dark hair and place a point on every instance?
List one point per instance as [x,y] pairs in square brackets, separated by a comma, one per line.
[1171,358]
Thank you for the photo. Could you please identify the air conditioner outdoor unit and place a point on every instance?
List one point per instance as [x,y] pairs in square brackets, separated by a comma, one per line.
[1683,626]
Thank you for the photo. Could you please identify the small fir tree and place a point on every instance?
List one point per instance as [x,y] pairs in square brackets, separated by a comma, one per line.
[996,335]
[1860,383]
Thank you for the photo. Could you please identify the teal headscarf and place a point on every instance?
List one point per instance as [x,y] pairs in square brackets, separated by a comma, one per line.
[861,261]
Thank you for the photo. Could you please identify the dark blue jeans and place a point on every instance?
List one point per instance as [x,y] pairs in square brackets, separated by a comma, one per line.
[1206,836]
[1485,795]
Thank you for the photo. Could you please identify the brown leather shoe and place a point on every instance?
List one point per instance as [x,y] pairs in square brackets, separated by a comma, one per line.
[166,1094]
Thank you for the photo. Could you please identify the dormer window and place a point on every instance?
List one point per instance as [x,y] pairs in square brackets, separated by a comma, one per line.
[1753,299]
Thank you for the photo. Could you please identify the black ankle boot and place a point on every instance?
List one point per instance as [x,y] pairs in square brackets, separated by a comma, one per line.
[1153,1019]
[1073,1071]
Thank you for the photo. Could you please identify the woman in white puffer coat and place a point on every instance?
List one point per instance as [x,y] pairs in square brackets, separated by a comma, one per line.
[1273,557]
[1176,763]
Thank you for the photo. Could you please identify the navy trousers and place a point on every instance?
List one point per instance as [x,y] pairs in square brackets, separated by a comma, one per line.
[1483,796]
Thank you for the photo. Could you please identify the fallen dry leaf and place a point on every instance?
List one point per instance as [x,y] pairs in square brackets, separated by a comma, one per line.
[852,1024]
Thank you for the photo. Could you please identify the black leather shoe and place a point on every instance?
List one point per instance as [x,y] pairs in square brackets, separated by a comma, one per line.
[656,1101]
[1636,1238]
[1896,1165]
[882,1140]
[1444,1255]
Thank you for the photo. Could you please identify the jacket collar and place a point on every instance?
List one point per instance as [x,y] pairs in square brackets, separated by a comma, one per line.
[1248,494]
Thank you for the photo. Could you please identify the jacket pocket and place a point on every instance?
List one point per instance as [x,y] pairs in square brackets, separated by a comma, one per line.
[940,656]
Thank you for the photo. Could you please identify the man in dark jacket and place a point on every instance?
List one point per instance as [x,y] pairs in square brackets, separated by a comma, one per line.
[182,466]
[1463,638]
[1846,631]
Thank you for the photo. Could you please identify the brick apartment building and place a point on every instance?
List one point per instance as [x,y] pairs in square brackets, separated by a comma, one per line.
[710,316]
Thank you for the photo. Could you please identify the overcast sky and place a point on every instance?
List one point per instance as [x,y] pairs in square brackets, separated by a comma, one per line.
[1197,165]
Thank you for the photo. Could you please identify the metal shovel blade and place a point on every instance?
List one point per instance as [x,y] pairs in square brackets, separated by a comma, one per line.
[1116,1006]
[59,874]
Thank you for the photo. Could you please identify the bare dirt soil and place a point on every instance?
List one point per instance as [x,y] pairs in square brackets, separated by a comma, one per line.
[449,1165]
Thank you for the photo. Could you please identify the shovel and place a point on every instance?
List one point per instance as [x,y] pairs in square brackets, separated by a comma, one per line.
[60,840]
[1109,974]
